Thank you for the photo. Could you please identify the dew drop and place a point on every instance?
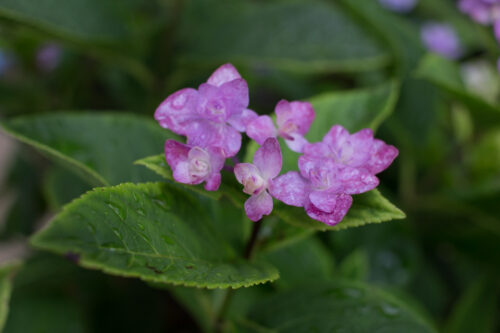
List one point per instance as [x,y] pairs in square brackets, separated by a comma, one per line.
[352,292]
[119,211]
[141,226]
[389,310]
[91,228]
[141,212]
[117,233]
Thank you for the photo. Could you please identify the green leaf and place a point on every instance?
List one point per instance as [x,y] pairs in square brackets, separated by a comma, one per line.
[355,266]
[355,110]
[153,231]
[99,146]
[445,74]
[476,309]
[100,28]
[61,186]
[6,274]
[314,36]
[337,306]
[369,207]
[305,261]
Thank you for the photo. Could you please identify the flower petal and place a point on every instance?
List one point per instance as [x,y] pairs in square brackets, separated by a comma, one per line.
[261,128]
[177,110]
[258,205]
[250,177]
[294,117]
[298,142]
[235,93]
[290,188]
[354,181]
[209,134]
[382,156]
[175,153]
[213,181]
[342,204]
[324,200]
[223,74]
[268,158]
[241,121]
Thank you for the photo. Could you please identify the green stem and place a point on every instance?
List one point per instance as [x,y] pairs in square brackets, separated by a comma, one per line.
[249,252]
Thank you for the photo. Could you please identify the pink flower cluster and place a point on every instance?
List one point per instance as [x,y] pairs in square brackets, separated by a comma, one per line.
[212,118]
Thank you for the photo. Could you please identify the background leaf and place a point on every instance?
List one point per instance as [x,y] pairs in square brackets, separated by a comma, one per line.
[101,147]
[314,36]
[152,231]
[6,275]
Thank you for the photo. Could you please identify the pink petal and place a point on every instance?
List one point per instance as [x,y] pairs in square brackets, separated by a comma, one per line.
[297,144]
[213,181]
[241,121]
[177,110]
[250,177]
[324,200]
[210,134]
[294,117]
[336,136]
[175,153]
[362,146]
[290,188]
[235,94]
[382,156]
[318,150]
[258,205]
[342,204]
[355,181]
[181,174]
[268,158]
[223,74]
[261,128]
[217,158]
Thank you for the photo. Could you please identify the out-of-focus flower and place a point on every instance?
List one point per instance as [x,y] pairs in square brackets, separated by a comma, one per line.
[257,178]
[332,170]
[401,6]
[211,116]
[482,11]
[194,165]
[481,78]
[293,120]
[48,57]
[441,38]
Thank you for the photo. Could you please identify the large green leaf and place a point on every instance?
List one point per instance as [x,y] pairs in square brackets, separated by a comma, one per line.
[445,74]
[152,231]
[100,146]
[304,36]
[369,207]
[337,306]
[6,273]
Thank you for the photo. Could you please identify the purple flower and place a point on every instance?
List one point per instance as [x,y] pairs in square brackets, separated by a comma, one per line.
[482,11]
[442,39]
[257,178]
[212,115]
[332,170]
[194,165]
[293,120]
[48,57]
[401,6]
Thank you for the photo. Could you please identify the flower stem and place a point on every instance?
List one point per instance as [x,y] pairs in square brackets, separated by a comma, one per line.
[249,251]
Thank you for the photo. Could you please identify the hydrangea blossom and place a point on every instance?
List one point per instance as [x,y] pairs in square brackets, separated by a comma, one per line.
[402,6]
[482,11]
[258,177]
[194,165]
[293,120]
[442,39]
[332,170]
[211,116]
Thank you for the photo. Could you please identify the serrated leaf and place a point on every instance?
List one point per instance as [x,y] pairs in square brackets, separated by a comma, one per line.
[267,33]
[152,231]
[369,207]
[6,274]
[445,74]
[336,306]
[100,146]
